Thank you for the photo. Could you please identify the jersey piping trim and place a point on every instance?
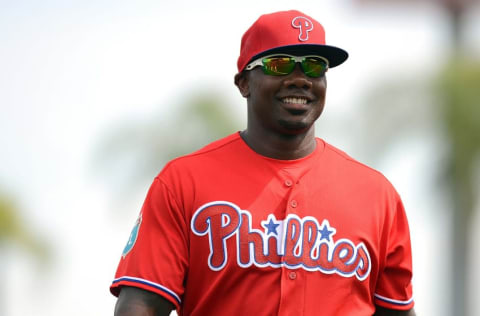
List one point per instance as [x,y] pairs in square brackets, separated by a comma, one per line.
[149,283]
[392,301]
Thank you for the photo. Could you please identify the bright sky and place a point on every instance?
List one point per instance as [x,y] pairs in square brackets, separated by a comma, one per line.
[68,71]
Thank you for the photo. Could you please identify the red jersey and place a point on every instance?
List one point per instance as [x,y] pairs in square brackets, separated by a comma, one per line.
[226,231]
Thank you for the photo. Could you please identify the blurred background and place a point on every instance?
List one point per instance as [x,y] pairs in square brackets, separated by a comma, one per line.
[96,96]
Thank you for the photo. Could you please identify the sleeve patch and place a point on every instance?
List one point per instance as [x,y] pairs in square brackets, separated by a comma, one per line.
[133,237]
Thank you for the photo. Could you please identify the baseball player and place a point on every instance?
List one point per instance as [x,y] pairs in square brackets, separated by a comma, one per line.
[270,220]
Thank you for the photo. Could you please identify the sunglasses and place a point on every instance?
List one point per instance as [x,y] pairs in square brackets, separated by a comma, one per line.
[281,65]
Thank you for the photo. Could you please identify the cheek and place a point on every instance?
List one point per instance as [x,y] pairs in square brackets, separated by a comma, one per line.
[321,87]
[261,91]
[320,93]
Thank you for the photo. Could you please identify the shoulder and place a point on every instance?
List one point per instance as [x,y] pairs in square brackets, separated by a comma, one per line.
[353,173]
[342,159]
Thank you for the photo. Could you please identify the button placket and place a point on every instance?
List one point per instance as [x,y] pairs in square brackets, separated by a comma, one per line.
[292,296]
[292,275]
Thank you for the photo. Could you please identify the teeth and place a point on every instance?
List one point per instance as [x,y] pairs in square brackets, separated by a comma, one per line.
[295,100]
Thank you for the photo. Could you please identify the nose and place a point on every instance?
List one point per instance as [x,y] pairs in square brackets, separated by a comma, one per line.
[298,79]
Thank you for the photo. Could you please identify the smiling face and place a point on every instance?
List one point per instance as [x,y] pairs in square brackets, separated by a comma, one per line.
[283,105]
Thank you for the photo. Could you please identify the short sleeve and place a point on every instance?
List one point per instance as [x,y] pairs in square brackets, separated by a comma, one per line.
[394,287]
[156,255]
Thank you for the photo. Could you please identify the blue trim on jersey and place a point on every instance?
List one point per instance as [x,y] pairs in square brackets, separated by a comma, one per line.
[392,301]
[150,283]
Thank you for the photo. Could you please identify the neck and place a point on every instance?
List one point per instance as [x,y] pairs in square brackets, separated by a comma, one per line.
[278,146]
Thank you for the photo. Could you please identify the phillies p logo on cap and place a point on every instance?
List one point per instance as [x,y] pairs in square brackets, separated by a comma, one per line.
[289,32]
[304,25]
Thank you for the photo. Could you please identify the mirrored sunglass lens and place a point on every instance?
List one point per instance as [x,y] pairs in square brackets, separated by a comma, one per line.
[314,67]
[278,66]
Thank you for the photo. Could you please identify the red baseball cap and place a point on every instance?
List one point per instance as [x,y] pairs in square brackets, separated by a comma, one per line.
[290,32]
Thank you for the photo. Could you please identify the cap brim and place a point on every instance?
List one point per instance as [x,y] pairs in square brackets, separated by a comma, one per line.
[335,55]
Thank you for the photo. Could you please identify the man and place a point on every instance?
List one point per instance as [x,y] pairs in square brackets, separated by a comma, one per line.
[271,220]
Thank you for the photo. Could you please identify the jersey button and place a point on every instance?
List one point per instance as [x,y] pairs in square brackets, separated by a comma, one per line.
[292,275]
[293,203]
[288,183]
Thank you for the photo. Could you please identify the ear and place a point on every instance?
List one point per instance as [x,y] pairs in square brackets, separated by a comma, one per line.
[241,81]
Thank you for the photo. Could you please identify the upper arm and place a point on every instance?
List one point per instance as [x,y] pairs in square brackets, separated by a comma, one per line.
[381,311]
[394,283]
[137,302]
[156,256]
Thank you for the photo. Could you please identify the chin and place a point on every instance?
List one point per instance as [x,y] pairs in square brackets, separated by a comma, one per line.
[294,128]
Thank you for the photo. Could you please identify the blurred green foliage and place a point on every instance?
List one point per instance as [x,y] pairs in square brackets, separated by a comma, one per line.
[14,232]
[459,91]
[445,106]
[459,96]
[135,151]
